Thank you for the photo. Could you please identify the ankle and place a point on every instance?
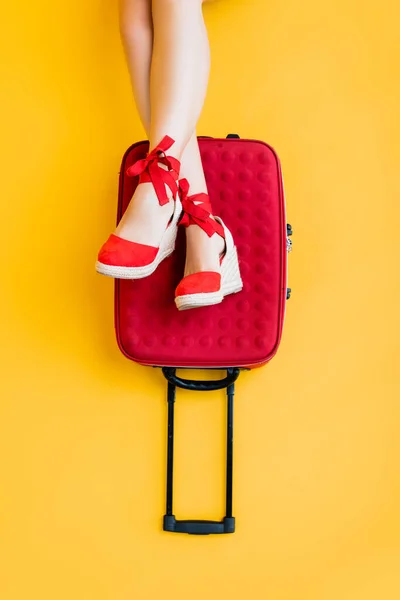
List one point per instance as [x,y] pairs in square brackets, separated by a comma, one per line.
[197,185]
[145,198]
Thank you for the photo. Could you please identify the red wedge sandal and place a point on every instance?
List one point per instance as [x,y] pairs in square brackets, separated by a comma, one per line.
[207,287]
[124,259]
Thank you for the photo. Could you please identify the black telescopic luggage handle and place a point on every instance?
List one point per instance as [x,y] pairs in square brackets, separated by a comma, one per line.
[198,527]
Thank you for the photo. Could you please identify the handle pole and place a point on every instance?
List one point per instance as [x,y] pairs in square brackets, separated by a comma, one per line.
[198,527]
[170,447]
[229,450]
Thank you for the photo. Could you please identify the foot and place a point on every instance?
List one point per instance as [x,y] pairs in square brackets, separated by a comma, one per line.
[145,221]
[212,267]
[147,231]
[209,276]
[203,253]
[205,242]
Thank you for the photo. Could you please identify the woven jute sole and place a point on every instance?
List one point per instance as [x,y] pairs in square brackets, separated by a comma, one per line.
[167,246]
[231,283]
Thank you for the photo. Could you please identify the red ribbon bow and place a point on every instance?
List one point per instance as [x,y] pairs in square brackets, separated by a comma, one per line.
[196,214]
[149,170]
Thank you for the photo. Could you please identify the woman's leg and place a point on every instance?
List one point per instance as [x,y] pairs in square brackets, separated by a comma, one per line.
[145,220]
[136,27]
[178,54]
[179,72]
[179,78]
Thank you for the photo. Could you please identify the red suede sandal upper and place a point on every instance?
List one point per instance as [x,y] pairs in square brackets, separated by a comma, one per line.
[199,283]
[150,171]
[123,253]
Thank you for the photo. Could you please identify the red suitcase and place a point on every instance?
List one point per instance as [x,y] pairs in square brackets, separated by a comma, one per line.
[245,186]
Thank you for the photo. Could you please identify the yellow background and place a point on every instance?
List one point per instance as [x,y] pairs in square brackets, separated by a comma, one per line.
[82,433]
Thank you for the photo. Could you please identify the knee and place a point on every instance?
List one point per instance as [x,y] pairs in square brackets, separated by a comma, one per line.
[178,3]
[135,27]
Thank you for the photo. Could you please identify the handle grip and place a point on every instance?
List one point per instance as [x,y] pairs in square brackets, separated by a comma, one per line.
[192,527]
[200,386]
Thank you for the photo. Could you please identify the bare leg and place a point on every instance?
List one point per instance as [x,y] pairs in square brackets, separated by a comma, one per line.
[136,27]
[180,70]
[179,76]
[144,220]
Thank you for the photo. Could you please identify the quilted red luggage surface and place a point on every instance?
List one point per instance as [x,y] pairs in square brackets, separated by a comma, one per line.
[245,186]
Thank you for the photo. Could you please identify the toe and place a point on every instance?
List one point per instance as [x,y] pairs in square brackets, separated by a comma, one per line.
[123,253]
[199,283]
